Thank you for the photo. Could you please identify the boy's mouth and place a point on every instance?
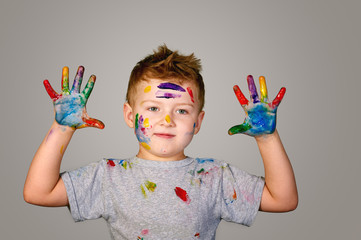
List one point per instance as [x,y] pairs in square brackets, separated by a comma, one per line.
[164,135]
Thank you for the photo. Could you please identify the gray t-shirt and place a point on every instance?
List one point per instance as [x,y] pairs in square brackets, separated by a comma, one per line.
[143,199]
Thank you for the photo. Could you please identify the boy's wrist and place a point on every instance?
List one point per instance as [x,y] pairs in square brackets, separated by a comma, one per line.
[267,137]
[63,128]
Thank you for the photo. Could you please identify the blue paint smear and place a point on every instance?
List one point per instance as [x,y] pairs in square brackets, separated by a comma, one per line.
[203,160]
[69,111]
[171,86]
[261,120]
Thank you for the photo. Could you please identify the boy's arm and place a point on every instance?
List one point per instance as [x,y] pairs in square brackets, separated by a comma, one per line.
[280,191]
[43,185]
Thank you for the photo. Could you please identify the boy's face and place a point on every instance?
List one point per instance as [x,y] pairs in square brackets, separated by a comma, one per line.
[165,117]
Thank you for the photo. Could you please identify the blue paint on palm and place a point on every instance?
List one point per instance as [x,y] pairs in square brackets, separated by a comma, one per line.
[69,110]
[262,119]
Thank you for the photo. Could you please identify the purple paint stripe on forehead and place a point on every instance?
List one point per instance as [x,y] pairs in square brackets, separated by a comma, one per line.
[160,94]
[171,86]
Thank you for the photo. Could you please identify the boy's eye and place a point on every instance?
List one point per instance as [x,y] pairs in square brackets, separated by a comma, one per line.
[182,111]
[153,109]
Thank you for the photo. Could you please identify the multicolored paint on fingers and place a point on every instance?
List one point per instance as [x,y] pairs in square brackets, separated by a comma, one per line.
[252,89]
[260,115]
[69,105]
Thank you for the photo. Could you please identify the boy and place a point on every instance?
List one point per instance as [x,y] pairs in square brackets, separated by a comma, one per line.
[161,193]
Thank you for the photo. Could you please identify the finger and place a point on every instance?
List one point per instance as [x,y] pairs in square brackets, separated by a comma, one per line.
[241,98]
[65,81]
[78,79]
[263,89]
[92,122]
[252,89]
[239,128]
[89,87]
[278,98]
[53,95]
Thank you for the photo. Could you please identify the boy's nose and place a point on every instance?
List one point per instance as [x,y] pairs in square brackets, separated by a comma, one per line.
[168,121]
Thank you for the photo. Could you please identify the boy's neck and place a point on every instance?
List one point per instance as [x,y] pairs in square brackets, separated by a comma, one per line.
[151,157]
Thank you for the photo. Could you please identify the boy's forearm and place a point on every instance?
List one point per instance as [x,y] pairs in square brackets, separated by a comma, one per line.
[280,193]
[43,185]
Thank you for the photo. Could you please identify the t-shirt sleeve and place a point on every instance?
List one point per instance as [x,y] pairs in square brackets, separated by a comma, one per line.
[84,189]
[242,193]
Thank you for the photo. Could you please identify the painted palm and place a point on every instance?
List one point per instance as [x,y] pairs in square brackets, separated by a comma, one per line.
[260,113]
[70,105]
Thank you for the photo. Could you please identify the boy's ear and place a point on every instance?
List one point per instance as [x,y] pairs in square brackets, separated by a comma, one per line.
[199,122]
[128,115]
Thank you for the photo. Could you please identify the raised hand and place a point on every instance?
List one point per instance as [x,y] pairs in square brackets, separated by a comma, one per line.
[260,114]
[70,105]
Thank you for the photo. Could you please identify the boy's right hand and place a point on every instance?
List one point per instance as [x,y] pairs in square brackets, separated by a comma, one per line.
[70,105]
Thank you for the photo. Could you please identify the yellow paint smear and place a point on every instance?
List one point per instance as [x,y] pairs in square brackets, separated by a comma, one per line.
[167,118]
[146,146]
[147,89]
[146,122]
[62,149]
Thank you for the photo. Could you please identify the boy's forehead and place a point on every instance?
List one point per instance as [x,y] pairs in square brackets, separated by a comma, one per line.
[166,88]
[165,85]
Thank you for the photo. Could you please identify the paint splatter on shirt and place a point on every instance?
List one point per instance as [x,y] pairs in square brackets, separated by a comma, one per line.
[174,206]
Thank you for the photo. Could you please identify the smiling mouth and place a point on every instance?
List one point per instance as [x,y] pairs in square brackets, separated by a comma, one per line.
[164,135]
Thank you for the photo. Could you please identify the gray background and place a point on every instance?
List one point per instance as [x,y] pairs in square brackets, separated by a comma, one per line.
[310,47]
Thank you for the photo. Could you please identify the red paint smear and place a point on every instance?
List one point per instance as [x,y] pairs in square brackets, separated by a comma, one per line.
[234,194]
[111,163]
[53,95]
[241,98]
[190,93]
[279,97]
[197,235]
[182,194]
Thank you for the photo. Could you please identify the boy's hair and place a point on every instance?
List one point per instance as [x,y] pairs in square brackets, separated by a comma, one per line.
[165,64]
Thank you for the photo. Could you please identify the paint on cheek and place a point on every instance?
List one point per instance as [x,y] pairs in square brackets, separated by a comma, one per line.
[190,93]
[182,194]
[141,130]
[167,119]
[171,86]
[146,146]
[147,89]
[146,122]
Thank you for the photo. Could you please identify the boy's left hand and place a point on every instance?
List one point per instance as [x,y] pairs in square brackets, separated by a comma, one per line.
[260,114]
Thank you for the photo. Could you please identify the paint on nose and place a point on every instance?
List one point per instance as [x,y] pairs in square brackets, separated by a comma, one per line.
[167,118]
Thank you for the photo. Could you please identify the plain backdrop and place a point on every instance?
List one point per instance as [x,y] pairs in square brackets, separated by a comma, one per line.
[310,47]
